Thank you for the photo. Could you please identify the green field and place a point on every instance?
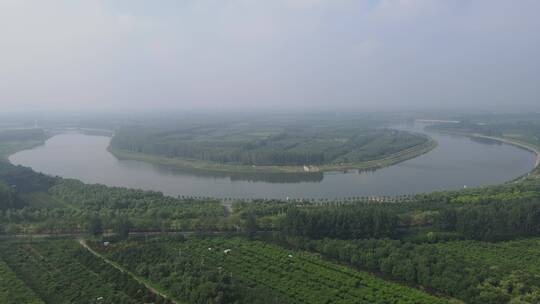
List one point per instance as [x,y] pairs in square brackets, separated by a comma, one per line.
[518,255]
[61,271]
[13,290]
[252,272]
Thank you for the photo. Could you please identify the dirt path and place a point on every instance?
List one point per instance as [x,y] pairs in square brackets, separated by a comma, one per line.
[136,278]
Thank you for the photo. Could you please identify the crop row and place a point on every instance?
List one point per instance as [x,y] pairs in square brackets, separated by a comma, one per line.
[61,271]
[303,276]
[298,277]
[13,290]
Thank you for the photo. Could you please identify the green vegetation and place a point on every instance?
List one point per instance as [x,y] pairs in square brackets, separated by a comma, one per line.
[32,202]
[450,272]
[13,290]
[15,140]
[24,180]
[8,197]
[522,255]
[343,231]
[148,210]
[61,271]
[527,130]
[346,222]
[263,147]
[73,207]
[221,270]
[522,133]
[474,245]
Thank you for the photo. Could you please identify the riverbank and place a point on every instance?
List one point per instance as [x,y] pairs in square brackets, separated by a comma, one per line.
[11,147]
[533,173]
[63,156]
[178,163]
[519,143]
[508,140]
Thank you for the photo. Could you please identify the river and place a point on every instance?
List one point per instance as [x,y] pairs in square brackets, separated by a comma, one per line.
[456,162]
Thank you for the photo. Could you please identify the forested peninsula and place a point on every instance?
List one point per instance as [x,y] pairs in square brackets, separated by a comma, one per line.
[258,147]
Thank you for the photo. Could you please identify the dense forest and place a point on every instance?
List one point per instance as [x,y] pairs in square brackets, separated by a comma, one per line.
[347,222]
[266,144]
[70,206]
[21,134]
[8,197]
[13,140]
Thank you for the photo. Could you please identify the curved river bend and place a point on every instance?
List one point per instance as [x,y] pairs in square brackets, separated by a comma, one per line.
[456,162]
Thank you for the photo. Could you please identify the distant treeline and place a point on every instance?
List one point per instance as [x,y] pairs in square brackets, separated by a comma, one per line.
[22,134]
[491,222]
[527,130]
[24,179]
[345,222]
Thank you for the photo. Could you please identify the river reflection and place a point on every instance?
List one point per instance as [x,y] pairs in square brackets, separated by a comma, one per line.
[300,177]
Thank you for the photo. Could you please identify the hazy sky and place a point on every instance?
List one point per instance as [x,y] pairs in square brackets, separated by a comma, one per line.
[233,54]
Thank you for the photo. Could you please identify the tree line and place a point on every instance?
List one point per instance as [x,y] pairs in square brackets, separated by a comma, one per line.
[346,222]
[291,146]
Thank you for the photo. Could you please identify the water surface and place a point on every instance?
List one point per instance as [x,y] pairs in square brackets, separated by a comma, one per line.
[457,162]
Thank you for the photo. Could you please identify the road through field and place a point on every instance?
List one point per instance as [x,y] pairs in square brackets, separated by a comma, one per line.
[120,268]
